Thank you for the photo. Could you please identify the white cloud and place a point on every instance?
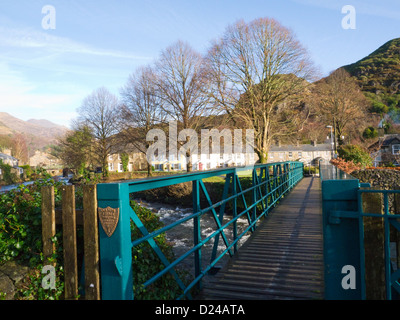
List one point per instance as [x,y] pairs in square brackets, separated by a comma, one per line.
[30,38]
[46,76]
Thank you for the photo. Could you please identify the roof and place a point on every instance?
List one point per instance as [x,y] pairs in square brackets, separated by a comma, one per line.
[4,156]
[302,148]
[389,139]
[385,141]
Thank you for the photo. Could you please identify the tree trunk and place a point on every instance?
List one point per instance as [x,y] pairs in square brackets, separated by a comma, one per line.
[149,171]
[189,165]
[262,156]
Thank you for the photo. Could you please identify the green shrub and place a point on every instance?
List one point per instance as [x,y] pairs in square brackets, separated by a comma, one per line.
[356,154]
[379,107]
[20,221]
[370,133]
[28,171]
[310,170]
[21,237]
[8,176]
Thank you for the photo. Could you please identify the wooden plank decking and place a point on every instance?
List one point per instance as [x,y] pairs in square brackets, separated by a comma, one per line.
[284,257]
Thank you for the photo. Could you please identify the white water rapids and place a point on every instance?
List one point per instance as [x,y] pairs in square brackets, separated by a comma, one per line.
[182,236]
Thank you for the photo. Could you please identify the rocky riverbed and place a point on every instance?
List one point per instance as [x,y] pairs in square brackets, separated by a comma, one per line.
[182,235]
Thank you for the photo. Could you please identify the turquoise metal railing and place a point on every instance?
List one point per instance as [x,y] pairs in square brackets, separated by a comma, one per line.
[389,219]
[270,182]
[343,233]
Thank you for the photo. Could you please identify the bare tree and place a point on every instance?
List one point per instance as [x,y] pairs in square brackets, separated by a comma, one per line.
[259,73]
[341,103]
[20,150]
[141,110]
[182,85]
[100,113]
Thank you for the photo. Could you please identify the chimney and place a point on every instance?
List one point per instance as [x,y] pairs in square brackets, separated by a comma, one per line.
[314,143]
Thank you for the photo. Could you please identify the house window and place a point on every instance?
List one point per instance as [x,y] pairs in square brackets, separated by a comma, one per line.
[396,149]
[121,167]
[110,157]
[290,154]
[300,154]
[111,166]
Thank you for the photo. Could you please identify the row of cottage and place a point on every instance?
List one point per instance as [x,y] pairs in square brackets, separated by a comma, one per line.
[385,150]
[310,154]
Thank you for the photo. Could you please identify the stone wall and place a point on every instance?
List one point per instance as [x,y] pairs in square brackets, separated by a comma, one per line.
[382,179]
[385,179]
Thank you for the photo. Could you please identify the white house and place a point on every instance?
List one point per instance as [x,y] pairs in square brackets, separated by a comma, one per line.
[310,154]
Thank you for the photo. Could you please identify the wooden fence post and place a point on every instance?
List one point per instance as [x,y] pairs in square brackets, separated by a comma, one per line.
[69,242]
[374,247]
[48,221]
[91,243]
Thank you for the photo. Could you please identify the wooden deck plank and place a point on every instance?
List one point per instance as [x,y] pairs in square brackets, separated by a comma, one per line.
[284,257]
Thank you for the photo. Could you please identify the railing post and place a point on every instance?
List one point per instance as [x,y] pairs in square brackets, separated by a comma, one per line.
[341,238]
[234,192]
[254,198]
[115,241]
[196,229]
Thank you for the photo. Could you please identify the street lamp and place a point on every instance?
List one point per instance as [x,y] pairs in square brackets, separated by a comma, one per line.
[332,143]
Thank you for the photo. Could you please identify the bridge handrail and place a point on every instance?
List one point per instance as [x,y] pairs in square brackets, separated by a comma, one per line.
[343,233]
[270,182]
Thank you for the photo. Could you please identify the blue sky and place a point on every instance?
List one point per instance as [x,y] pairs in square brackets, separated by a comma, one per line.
[45,74]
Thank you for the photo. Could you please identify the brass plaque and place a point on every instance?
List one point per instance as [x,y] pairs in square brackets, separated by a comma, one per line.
[109,219]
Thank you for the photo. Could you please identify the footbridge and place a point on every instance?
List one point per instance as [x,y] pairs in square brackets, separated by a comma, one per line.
[275,235]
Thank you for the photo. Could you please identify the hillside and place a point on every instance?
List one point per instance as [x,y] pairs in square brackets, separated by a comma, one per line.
[37,133]
[378,75]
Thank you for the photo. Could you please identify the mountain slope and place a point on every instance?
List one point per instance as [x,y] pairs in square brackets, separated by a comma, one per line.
[378,74]
[40,128]
[37,133]
[43,123]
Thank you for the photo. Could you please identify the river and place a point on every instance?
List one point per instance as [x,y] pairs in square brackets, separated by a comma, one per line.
[181,236]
